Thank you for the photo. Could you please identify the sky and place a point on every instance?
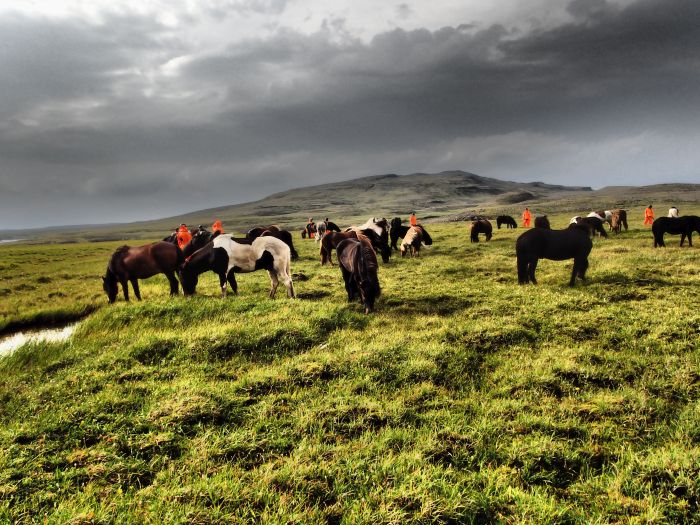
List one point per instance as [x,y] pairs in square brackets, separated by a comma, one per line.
[114,111]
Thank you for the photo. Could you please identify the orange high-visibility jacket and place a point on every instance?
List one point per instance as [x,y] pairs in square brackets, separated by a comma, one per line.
[183,236]
[648,216]
[217,227]
[526,215]
[413,219]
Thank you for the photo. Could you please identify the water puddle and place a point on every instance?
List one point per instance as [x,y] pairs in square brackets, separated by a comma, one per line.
[10,343]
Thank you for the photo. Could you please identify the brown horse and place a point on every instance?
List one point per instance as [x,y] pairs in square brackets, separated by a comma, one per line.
[332,239]
[358,263]
[618,220]
[542,221]
[129,264]
[481,226]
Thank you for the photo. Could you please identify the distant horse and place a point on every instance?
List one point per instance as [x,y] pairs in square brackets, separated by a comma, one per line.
[592,224]
[320,231]
[541,221]
[358,264]
[507,220]
[603,215]
[129,264]
[683,226]
[618,220]
[481,226]
[398,231]
[673,212]
[332,239]
[412,241]
[225,257]
[277,233]
[558,245]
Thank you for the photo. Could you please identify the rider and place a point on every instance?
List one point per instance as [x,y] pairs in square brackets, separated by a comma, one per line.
[183,236]
[311,228]
[217,227]
[413,220]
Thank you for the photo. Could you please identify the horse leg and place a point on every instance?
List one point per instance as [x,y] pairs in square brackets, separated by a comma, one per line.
[349,283]
[125,287]
[287,280]
[690,238]
[222,284]
[231,278]
[135,284]
[531,267]
[173,283]
[274,282]
[522,270]
[582,267]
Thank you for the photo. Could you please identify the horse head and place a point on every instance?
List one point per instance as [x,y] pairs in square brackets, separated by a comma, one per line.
[109,285]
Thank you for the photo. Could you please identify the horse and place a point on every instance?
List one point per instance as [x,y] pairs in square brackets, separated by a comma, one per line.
[129,264]
[411,241]
[332,239]
[542,221]
[507,220]
[225,256]
[618,220]
[683,226]
[481,226]
[358,264]
[272,231]
[558,245]
[592,224]
[398,231]
[673,213]
[603,215]
[320,231]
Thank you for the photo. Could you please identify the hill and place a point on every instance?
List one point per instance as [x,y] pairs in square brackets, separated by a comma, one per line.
[434,196]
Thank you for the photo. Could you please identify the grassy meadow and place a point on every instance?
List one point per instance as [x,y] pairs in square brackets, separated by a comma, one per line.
[464,398]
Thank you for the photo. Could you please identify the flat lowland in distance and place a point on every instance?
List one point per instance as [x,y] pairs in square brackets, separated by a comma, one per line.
[464,398]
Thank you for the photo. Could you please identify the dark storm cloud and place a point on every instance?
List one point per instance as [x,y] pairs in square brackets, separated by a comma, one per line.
[283,111]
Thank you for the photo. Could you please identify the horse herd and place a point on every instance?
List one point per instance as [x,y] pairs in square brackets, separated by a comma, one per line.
[271,248]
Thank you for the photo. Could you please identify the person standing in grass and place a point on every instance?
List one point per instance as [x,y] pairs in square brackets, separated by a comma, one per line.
[413,220]
[183,236]
[648,215]
[217,227]
[527,217]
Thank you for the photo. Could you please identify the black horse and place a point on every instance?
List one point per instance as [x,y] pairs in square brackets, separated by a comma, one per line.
[557,245]
[398,231]
[480,226]
[683,226]
[277,233]
[507,220]
[358,264]
[592,224]
[542,221]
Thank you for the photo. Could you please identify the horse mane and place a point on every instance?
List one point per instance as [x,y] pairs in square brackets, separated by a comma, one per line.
[118,254]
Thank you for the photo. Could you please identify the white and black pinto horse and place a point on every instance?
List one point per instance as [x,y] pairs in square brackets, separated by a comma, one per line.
[225,256]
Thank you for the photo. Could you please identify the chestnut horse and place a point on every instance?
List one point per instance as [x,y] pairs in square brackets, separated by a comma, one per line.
[398,231]
[129,264]
[481,226]
[332,239]
[358,263]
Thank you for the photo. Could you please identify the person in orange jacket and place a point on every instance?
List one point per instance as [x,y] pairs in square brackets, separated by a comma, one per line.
[183,236]
[526,218]
[413,220]
[648,215]
[217,227]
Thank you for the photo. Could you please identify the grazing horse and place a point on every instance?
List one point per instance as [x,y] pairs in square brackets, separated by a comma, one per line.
[481,226]
[507,220]
[673,213]
[592,224]
[618,220]
[277,233]
[129,264]
[542,221]
[358,264]
[332,239]
[225,256]
[320,231]
[558,245]
[683,226]
[411,241]
[603,215]
[398,231]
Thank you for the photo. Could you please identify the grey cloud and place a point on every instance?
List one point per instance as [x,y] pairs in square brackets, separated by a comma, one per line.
[282,111]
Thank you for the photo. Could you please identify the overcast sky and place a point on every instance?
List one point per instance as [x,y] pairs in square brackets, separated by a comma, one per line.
[127,110]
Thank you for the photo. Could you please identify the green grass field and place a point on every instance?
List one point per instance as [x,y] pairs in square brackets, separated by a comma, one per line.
[464,398]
